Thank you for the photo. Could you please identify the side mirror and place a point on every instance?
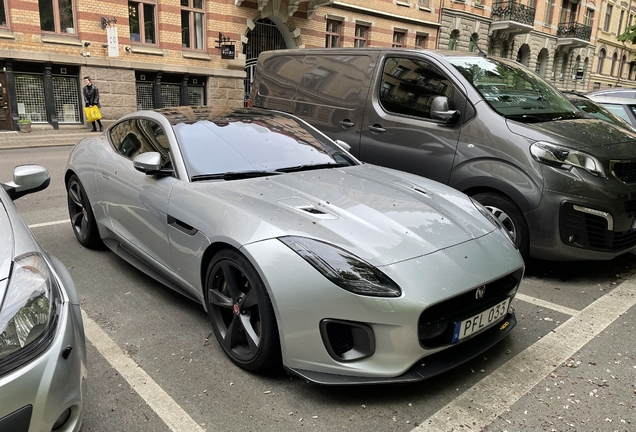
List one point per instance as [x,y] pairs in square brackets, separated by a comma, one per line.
[148,163]
[343,145]
[440,111]
[27,179]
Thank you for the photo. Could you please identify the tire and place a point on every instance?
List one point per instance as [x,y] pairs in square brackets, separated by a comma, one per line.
[511,217]
[241,312]
[81,213]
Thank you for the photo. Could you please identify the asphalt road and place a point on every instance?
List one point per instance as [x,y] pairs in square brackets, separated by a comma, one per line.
[154,364]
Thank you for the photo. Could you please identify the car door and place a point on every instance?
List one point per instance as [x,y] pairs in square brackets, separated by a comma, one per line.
[136,203]
[398,131]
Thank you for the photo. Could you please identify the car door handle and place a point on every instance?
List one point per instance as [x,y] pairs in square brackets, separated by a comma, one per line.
[376,128]
[346,123]
[105,175]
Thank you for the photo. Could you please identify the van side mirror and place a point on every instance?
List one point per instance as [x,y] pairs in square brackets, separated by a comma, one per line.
[440,111]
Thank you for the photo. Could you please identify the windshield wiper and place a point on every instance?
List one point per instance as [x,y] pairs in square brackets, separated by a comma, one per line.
[310,167]
[236,175]
[526,118]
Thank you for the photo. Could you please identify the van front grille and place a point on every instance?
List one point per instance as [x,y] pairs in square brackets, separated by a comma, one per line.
[624,171]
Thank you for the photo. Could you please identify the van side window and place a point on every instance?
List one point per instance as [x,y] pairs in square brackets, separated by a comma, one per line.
[408,86]
[136,136]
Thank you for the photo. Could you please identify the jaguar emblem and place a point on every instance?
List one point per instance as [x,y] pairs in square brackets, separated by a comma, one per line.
[481,292]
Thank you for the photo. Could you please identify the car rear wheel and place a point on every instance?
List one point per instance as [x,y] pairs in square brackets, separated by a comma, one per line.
[241,312]
[510,216]
[81,213]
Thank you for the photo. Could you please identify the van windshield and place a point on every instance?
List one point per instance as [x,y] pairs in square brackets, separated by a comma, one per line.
[513,91]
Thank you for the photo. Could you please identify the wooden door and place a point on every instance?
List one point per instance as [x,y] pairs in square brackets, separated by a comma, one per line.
[5,112]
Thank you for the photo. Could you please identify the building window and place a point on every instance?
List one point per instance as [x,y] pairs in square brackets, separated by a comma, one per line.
[596,86]
[170,95]
[589,17]
[420,41]
[614,60]
[145,95]
[61,22]
[3,13]
[422,3]
[472,46]
[360,39]
[29,89]
[192,24]
[601,60]
[141,17]
[66,97]
[620,22]
[452,41]
[608,17]
[196,96]
[399,39]
[621,67]
[564,65]
[332,37]
[548,12]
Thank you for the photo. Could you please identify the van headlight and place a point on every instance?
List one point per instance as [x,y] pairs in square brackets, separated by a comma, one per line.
[565,158]
[496,222]
[28,312]
[342,268]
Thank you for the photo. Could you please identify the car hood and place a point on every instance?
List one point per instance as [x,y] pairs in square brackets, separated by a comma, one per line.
[576,134]
[381,215]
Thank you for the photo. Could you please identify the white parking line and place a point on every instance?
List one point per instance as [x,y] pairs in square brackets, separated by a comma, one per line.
[166,408]
[498,391]
[59,222]
[547,305]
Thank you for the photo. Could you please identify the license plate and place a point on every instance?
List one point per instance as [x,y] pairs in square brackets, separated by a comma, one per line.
[482,321]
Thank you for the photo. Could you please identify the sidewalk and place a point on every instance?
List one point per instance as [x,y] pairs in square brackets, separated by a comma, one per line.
[43,138]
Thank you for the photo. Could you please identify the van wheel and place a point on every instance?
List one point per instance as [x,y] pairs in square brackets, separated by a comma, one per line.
[510,216]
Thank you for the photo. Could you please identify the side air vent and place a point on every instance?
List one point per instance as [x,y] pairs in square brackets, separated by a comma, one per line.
[307,207]
[312,210]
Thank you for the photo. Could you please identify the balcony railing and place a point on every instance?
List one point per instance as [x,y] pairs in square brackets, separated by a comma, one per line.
[513,11]
[574,30]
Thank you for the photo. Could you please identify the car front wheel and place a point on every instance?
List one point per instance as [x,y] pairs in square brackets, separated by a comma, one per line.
[81,213]
[241,312]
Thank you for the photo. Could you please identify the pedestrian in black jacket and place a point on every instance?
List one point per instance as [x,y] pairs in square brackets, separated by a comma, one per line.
[91,96]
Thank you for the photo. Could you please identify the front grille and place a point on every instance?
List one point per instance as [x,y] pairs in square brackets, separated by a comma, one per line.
[435,324]
[591,232]
[624,171]
[630,208]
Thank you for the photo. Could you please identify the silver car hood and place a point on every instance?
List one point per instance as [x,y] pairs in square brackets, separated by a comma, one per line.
[381,215]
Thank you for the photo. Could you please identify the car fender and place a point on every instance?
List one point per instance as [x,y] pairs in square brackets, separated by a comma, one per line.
[474,176]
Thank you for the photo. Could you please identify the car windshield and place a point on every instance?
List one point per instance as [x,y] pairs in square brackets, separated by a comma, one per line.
[514,91]
[599,111]
[245,143]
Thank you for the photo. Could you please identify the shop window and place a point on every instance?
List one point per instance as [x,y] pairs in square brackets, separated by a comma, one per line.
[61,22]
[141,16]
[360,39]
[170,95]
[192,24]
[196,96]
[332,33]
[29,90]
[66,99]
[145,98]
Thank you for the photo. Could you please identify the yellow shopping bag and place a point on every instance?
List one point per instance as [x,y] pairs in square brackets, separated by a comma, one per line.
[92,113]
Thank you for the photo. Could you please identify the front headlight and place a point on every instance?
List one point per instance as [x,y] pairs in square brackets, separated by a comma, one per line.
[565,158]
[342,268]
[496,222]
[28,313]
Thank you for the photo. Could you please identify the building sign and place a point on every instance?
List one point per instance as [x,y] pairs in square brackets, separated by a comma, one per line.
[227,52]
[113,41]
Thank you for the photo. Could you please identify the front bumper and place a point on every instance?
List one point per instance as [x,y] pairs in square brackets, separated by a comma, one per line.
[34,396]
[303,299]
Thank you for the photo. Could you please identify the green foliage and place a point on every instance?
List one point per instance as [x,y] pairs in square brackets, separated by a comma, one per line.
[629,35]
[24,121]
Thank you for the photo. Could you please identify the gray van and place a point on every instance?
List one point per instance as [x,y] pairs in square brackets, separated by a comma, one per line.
[563,185]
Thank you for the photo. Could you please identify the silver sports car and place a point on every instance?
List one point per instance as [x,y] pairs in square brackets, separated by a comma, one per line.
[345,273]
[42,348]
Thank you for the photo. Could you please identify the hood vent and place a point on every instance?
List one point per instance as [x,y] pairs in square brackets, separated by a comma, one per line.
[307,207]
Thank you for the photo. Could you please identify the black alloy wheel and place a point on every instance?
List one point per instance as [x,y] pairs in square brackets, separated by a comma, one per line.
[81,213]
[241,312]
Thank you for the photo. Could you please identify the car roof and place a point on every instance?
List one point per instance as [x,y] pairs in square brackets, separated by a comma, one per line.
[611,90]
[613,100]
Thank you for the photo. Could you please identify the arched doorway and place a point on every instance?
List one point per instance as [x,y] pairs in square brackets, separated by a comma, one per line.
[265,36]
[523,56]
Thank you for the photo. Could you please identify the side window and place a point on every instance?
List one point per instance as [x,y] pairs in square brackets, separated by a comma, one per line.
[621,94]
[408,86]
[136,136]
[619,111]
